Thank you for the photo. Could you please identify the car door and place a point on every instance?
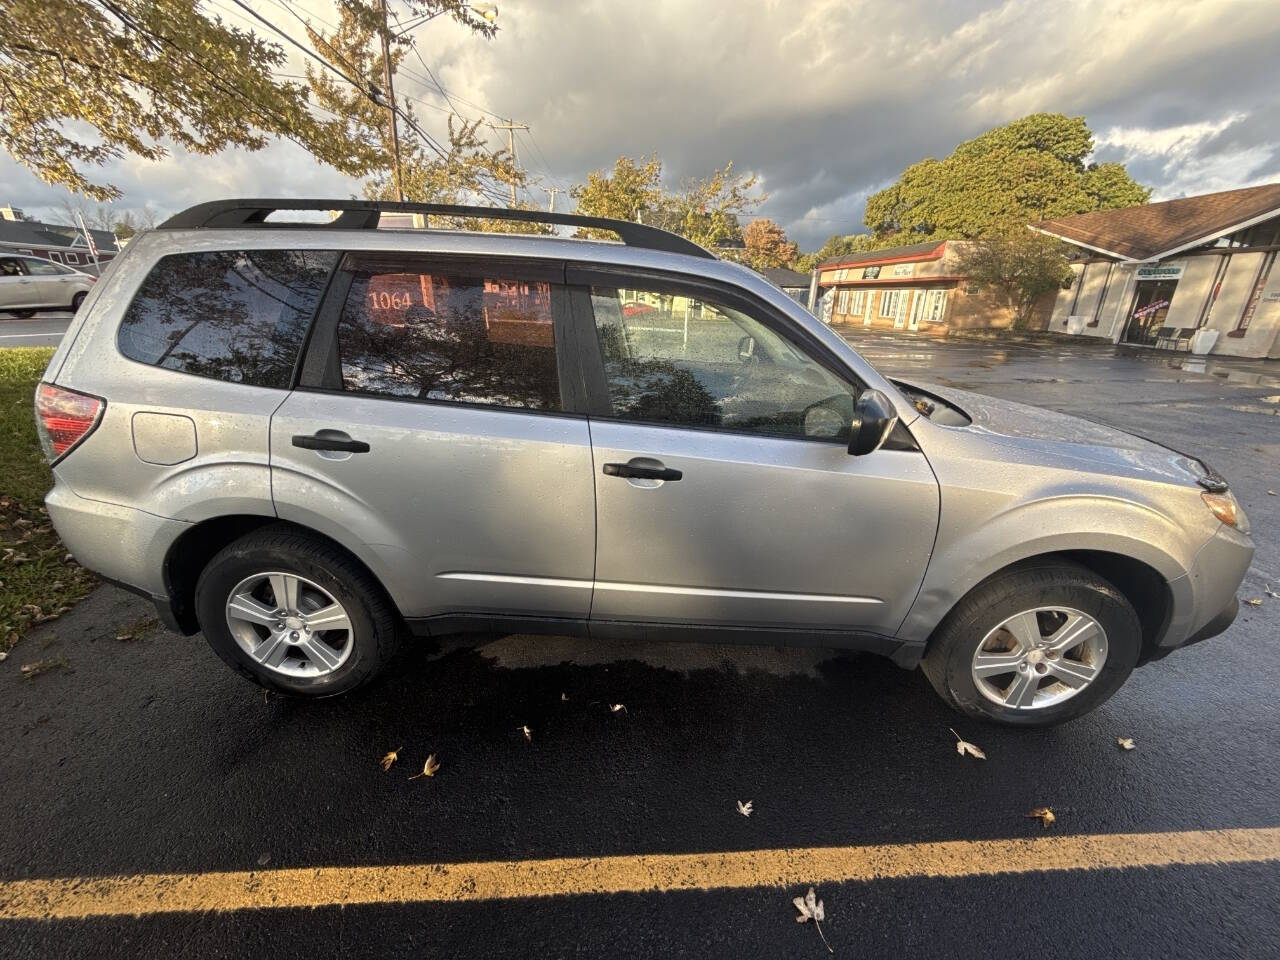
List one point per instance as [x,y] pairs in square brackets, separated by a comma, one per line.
[15,285]
[725,493]
[435,424]
[49,283]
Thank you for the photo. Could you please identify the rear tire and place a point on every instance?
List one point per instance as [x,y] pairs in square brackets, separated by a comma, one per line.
[325,578]
[1058,590]
[77,300]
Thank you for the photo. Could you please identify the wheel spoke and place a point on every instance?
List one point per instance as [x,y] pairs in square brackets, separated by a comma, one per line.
[285,587]
[320,653]
[1072,672]
[1022,691]
[994,664]
[244,607]
[1074,632]
[1025,629]
[272,651]
[332,617]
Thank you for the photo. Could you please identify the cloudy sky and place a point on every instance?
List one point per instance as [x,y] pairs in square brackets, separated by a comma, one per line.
[825,100]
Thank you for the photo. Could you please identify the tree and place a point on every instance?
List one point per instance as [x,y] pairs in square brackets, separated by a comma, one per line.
[766,245]
[705,210]
[1031,169]
[1020,265]
[462,170]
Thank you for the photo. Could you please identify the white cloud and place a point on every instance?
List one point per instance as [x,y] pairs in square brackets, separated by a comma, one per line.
[826,100]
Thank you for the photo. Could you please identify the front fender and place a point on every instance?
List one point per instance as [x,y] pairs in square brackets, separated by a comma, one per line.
[970,551]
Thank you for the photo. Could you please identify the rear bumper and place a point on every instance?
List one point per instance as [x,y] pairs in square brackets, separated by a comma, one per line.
[123,545]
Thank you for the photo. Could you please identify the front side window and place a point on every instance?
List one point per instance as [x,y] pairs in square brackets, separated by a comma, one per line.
[42,268]
[453,335]
[234,315]
[11,267]
[718,368]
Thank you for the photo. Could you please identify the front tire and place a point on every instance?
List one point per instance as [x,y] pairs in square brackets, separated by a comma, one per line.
[77,300]
[294,614]
[1035,647]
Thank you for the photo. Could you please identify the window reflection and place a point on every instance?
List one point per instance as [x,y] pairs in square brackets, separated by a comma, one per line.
[235,315]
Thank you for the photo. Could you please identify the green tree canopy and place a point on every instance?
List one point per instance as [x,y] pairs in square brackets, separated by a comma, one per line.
[1020,265]
[705,210]
[1031,169]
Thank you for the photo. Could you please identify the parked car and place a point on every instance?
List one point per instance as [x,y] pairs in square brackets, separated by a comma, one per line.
[28,284]
[309,441]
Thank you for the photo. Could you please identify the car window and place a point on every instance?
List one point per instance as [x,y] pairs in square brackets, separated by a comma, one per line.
[42,268]
[11,267]
[236,315]
[676,359]
[411,331]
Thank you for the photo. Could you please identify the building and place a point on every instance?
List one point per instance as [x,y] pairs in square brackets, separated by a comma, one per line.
[917,287]
[53,241]
[1157,274]
[795,285]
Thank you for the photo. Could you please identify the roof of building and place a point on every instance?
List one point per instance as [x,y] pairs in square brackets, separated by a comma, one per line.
[782,277]
[931,250]
[39,234]
[1156,230]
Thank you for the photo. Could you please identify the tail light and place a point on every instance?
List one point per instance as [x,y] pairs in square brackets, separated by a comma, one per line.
[64,418]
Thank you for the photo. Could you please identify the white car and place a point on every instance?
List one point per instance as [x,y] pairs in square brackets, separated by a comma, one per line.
[28,284]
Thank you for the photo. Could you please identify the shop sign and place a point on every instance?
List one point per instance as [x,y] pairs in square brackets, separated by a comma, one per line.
[870,273]
[1151,308]
[1159,273]
[904,269]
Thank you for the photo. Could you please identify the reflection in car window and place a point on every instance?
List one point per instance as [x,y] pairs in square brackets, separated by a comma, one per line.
[407,331]
[675,359]
[237,315]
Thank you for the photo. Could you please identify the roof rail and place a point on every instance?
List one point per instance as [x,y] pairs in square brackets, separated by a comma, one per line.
[365,214]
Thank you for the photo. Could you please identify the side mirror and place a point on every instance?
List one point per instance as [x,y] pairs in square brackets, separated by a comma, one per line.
[873,420]
[746,348]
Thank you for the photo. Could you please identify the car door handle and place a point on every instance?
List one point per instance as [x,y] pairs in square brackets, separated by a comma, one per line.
[317,442]
[636,472]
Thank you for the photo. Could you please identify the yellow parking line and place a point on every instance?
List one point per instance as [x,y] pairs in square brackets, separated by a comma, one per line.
[146,894]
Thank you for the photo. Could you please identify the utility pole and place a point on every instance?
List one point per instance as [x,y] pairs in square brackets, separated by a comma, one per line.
[552,191]
[511,129]
[391,99]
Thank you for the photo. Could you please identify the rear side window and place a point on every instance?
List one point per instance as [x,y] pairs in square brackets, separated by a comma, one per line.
[234,315]
[449,335]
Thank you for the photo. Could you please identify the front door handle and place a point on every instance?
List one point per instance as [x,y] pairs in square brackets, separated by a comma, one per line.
[341,443]
[637,472]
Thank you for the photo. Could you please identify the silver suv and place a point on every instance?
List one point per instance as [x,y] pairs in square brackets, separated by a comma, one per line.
[309,440]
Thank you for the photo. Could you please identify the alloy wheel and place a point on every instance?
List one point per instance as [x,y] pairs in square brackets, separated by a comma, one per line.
[289,624]
[1039,657]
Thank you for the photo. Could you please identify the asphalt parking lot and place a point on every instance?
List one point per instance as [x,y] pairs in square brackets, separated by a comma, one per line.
[146,759]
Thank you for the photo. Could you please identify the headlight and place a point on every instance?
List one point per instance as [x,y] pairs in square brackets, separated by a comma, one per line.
[1225,508]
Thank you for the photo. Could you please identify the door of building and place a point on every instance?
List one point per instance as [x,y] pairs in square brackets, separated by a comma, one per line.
[1150,307]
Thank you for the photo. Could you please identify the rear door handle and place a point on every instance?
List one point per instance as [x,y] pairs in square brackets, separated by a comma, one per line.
[317,442]
[632,471]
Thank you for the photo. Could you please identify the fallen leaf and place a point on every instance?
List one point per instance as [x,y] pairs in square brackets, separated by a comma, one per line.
[1254,601]
[564,698]
[37,667]
[390,758]
[428,769]
[264,859]
[810,908]
[3,656]
[965,747]
[528,734]
[1125,743]
[1044,815]
[1271,593]
[616,707]
[1271,493]
[744,808]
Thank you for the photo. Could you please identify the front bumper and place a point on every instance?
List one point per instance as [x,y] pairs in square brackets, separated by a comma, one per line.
[1205,602]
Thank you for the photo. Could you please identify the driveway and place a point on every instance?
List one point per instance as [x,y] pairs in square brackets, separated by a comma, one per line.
[146,758]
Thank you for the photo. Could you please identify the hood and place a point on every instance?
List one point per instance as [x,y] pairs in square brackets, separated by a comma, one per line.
[1092,445]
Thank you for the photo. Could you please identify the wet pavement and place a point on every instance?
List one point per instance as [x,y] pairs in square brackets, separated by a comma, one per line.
[45,329]
[148,756]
